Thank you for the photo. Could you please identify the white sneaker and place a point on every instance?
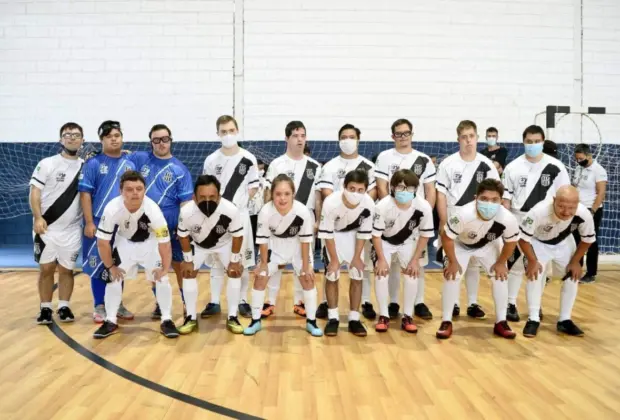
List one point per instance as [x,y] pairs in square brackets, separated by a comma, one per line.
[99,314]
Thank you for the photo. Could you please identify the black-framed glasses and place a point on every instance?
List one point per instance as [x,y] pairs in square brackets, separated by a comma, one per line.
[107,126]
[72,136]
[401,188]
[164,139]
[404,134]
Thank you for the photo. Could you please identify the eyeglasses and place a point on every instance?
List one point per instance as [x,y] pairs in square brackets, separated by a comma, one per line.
[107,126]
[402,135]
[74,136]
[165,139]
[401,188]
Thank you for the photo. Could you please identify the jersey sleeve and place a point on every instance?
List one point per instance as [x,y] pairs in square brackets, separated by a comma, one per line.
[378,222]
[382,171]
[454,227]
[528,226]
[159,225]
[442,179]
[262,226]
[600,174]
[236,227]
[272,172]
[306,233]
[508,186]
[206,167]
[88,177]
[325,180]
[107,224]
[326,226]
[427,229]
[40,174]
[493,174]
[365,230]
[185,188]
[586,228]
[562,178]
[429,174]
[511,233]
[182,227]
[372,183]
[253,181]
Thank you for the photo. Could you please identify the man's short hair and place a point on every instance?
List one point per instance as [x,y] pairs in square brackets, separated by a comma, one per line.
[490,184]
[203,180]
[292,126]
[583,148]
[358,133]
[359,176]
[464,125]
[106,127]
[158,127]
[132,176]
[404,175]
[492,130]
[401,121]
[534,129]
[71,126]
[224,119]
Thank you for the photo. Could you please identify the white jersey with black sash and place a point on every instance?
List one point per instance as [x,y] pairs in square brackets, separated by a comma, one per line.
[336,217]
[304,172]
[211,232]
[398,226]
[334,171]
[390,161]
[284,233]
[57,177]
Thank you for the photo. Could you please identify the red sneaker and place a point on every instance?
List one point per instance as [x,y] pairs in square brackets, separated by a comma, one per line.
[503,330]
[445,330]
[408,325]
[383,324]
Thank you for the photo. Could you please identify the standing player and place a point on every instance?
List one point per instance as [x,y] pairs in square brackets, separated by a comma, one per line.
[345,227]
[99,183]
[528,180]
[403,156]
[458,178]
[403,223]
[214,225]
[332,176]
[493,151]
[57,222]
[237,171]
[547,239]
[285,235]
[305,173]
[475,231]
[142,238]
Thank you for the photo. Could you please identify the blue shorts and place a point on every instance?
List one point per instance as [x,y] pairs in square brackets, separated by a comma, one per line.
[91,263]
[177,252]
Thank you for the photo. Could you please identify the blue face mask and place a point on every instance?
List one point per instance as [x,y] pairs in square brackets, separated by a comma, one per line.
[403,197]
[486,209]
[533,150]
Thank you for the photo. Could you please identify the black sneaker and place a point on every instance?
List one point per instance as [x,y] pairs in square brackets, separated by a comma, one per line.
[357,328]
[321,311]
[531,328]
[156,314]
[245,310]
[568,327]
[107,329]
[168,329]
[421,311]
[331,328]
[512,314]
[475,311]
[368,311]
[65,314]
[393,309]
[210,310]
[45,316]
[540,314]
[456,311]
[587,279]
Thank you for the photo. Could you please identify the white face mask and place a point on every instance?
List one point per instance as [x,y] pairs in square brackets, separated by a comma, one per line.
[353,197]
[348,146]
[229,140]
[491,141]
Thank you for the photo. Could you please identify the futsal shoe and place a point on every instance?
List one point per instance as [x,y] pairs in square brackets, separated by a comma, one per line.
[156,314]
[268,310]
[445,330]
[502,329]
[99,314]
[105,330]
[253,328]
[190,325]
[357,328]
[456,311]
[321,311]
[421,311]
[393,309]
[568,327]
[45,316]
[512,314]
[210,310]
[300,309]
[408,325]
[313,329]
[168,329]
[475,311]
[245,310]
[65,314]
[124,313]
[531,328]
[233,325]
[383,324]
[331,328]
[368,311]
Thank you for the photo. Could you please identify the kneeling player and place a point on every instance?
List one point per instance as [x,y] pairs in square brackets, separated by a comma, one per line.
[346,223]
[142,238]
[474,231]
[397,218]
[284,235]
[213,223]
[547,239]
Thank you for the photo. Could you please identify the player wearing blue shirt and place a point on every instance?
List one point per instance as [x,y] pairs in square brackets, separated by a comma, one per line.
[99,183]
[169,184]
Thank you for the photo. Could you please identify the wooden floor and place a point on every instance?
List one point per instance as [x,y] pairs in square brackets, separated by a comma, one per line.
[283,373]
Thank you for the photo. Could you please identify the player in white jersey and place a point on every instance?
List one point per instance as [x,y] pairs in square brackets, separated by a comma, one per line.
[285,235]
[458,177]
[403,156]
[237,171]
[485,231]
[57,225]
[546,238]
[305,173]
[402,225]
[214,225]
[346,225]
[332,177]
[528,180]
[141,239]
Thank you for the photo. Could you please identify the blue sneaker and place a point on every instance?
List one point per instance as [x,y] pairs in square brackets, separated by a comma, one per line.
[253,328]
[312,328]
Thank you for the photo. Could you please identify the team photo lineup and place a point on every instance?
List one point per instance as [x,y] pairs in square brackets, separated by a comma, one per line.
[374,219]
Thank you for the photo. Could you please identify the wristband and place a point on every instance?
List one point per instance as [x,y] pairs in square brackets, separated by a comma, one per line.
[187,256]
[235,258]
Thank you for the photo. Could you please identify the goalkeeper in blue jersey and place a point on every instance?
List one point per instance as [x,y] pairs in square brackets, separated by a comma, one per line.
[169,184]
[99,183]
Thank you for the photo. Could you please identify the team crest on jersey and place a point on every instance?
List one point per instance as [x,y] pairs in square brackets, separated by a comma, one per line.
[417,169]
[127,224]
[219,229]
[341,173]
[242,169]
[218,169]
[545,180]
[196,229]
[103,169]
[574,226]
[412,225]
[547,228]
[522,181]
[457,177]
[393,168]
[361,220]
[472,235]
[92,261]
[60,177]
[248,254]
[145,171]
[272,229]
[479,176]
[168,177]
[143,226]
[389,224]
[309,173]
[491,237]
[293,231]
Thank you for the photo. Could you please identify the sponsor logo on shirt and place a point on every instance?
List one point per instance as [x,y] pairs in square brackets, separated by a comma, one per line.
[159,233]
[457,177]
[522,181]
[196,229]
[341,173]
[60,177]
[393,168]
[291,175]
[218,169]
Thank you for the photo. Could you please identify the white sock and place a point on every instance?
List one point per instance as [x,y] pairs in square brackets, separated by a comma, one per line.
[245,283]
[164,298]
[514,284]
[310,301]
[258,298]
[324,294]
[500,297]
[472,282]
[419,296]
[568,294]
[47,305]
[298,291]
[233,289]
[354,316]
[63,304]
[449,295]
[112,299]
[273,286]
[190,292]
[411,288]
[217,281]
[366,287]
[394,282]
[533,294]
[333,313]
[381,291]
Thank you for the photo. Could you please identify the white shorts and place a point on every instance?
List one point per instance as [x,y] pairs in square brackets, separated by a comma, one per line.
[367,259]
[556,256]
[345,247]
[403,253]
[58,246]
[135,254]
[287,251]
[218,257]
[486,256]
[247,246]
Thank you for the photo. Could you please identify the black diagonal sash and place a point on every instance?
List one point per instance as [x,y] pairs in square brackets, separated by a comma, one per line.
[573,225]
[539,192]
[62,203]
[496,231]
[407,230]
[364,166]
[419,166]
[142,229]
[479,175]
[357,222]
[219,230]
[235,181]
[292,230]
[307,182]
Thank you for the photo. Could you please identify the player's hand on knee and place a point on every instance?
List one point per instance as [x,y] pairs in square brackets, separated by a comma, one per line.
[117,273]
[158,274]
[261,273]
[89,230]
[413,268]
[575,271]
[382,268]
[358,264]
[187,269]
[533,270]
[234,270]
[308,273]
[40,226]
[452,270]
[333,267]
[500,270]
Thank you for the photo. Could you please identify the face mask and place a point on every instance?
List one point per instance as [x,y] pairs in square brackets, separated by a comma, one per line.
[487,209]
[229,140]
[584,163]
[207,207]
[261,172]
[491,141]
[69,152]
[348,146]
[353,197]
[404,197]
[533,150]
